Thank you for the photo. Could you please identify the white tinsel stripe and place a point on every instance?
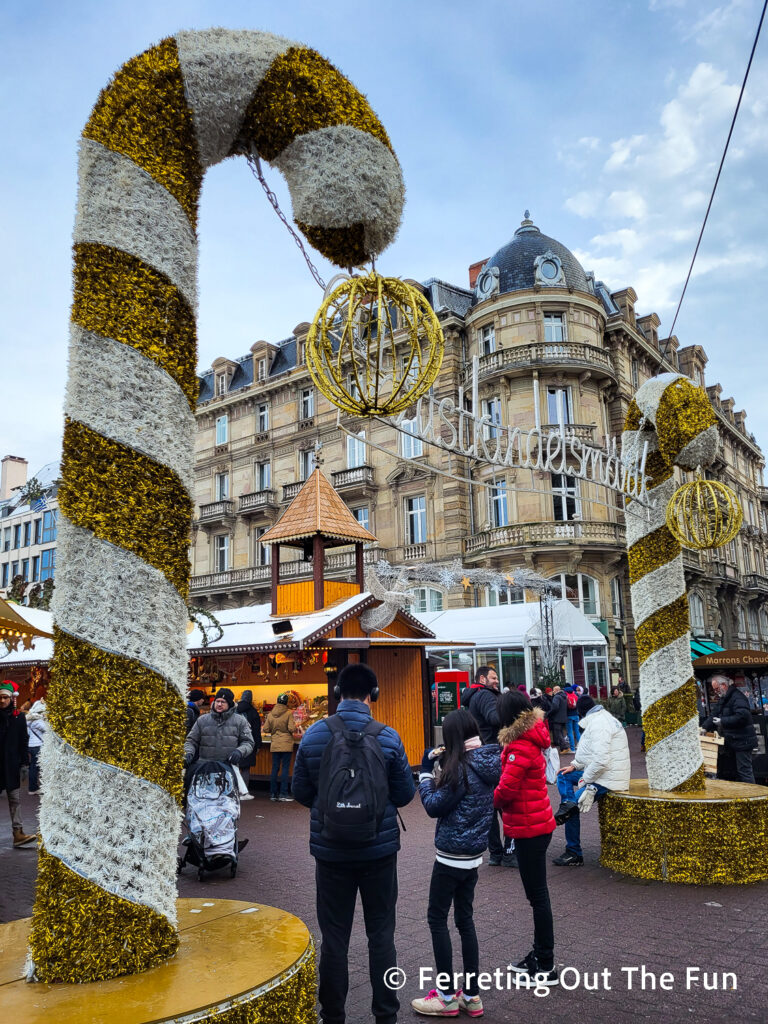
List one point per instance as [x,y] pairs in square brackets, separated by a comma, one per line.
[222,69]
[649,395]
[644,520]
[110,826]
[120,393]
[656,590]
[121,206]
[339,176]
[665,670]
[138,612]
[675,758]
[702,450]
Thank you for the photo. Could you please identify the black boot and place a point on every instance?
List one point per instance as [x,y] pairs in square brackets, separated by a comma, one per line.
[567,809]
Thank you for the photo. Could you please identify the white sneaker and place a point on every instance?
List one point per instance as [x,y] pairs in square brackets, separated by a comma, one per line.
[246,796]
[587,798]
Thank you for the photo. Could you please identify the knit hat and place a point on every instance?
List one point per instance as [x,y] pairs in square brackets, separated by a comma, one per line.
[227,695]
[584,704]
[247,696]
[283,698]
[195,695]
[7,687]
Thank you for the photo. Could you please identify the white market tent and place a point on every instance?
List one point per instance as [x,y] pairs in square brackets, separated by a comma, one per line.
[42,647]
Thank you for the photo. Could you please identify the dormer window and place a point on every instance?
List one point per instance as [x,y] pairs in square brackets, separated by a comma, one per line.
[221,384]
[261,369]
[548,270]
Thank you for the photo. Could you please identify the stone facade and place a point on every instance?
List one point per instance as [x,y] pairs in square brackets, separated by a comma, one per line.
[554,348]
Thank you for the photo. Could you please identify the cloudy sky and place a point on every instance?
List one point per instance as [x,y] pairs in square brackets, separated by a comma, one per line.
[606,120]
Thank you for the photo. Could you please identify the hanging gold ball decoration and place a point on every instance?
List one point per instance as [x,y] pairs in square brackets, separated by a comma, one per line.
[375,346]
[704,514]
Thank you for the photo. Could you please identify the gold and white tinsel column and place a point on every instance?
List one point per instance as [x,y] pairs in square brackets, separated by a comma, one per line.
[106,896]
[676,419]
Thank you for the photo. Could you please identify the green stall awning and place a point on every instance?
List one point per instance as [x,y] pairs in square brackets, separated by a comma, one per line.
[702,647]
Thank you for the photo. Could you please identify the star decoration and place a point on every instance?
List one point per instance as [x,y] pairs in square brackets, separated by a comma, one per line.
[465,581]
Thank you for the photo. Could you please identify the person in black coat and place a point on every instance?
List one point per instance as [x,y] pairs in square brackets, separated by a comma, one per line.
[195,703]
[253,718]
[557,719]
[14,752]
[733,719]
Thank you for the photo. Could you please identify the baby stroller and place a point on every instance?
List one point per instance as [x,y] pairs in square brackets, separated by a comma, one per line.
[213,811]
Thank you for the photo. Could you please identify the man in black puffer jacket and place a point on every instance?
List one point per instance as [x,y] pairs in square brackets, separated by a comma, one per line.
[733,719]
[482,701]
[341,869]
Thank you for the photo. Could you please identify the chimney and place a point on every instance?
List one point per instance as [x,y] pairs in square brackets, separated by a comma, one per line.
[13,475]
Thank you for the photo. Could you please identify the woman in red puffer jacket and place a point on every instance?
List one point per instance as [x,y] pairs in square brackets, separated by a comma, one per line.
[526,814]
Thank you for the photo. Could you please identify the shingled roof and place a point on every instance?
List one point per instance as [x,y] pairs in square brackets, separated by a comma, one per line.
[317,508]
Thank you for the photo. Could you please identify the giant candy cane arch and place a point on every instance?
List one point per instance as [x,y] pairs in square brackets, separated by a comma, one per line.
[676,419]
[110,816]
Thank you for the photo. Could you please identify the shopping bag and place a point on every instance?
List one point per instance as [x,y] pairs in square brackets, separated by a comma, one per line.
[552,759]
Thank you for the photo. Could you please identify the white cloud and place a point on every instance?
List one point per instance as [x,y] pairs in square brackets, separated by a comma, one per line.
[622,150]
[691,121]
[627,239]
[627,203]
[583,204]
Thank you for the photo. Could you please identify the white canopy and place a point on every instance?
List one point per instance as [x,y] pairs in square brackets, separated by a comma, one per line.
[513,625]
[42,647]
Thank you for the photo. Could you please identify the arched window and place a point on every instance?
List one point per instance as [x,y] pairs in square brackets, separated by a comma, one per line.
[581,590]
[696,606]
[741,619]
[427,600]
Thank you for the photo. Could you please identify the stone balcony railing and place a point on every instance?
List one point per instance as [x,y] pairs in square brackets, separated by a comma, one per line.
[582,431]
[723,569]
[216,510]
[544,353]
[522,534]
[763,493]
[414,552]
[257,501]
[360,476]
[291,490]
[756,581]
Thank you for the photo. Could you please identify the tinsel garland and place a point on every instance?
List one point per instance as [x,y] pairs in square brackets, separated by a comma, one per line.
[292,1001]
[698,842]
[166,116]
[455,574]
[674,419]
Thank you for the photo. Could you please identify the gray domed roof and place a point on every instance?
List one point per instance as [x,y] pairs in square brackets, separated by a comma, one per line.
[516,263]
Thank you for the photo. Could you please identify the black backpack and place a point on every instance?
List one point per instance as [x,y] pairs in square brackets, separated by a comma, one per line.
[353,784]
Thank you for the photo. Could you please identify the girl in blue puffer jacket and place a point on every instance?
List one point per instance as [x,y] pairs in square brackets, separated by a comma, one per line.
[461,798]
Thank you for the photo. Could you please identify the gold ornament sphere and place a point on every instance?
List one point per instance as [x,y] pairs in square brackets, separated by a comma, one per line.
[375,346]
[704,514]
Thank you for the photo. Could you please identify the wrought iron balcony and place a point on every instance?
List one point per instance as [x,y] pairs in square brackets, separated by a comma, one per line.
[257,501]
[563,354]
[216,510]
[554,533]
[353,479]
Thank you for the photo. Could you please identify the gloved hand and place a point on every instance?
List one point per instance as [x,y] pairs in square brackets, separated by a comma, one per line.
[716,721]
[188,759]
[235,757]
[427,762]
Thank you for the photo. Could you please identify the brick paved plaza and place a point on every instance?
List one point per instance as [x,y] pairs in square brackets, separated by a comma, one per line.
[601,921]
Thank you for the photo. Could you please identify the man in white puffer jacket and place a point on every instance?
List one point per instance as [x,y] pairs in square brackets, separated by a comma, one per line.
[601,764]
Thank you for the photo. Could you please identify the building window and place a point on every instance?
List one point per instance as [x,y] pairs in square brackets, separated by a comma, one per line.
[27,535]
[263,418]
[696,608]
[49,528]
[617,605]
[221,552]
[427,600]
[508,595]
[498,500]
[36,568]
[411,446]
[741,621]
[307,404]
[352,389]
[38,531]
[754,630]
[559,406]
[492,409]
[221,384]
[222,486]
[487,340]
[581,591]
[361,515]
[634,372]
[409,369]
[306,463]
[14,570]
[747,559]
[25,569]
[17,536]
[764,624]
[565,498]
[263,476]
[5,575]
[416,520]
[263,551]
[356,450]
[261,369]
[7,539]
[47,564]
[554,327]
[222,429]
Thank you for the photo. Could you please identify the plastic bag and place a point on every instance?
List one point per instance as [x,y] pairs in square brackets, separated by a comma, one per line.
[552,759]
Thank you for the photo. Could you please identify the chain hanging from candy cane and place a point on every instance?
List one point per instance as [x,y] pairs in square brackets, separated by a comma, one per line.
[676,419]
[106,896]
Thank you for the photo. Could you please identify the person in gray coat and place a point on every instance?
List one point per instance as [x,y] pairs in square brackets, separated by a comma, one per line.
[221,735]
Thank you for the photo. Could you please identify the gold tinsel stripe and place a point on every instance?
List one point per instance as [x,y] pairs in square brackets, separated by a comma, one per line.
[657,469]
[119,297]
[660,629]
[634,416]
[669,713]
[695,842]
[343,246]
[115,710]
[694,784]
[291,1002]
[143,114]
[684,412]
[125,497]
[300,93]
[651,552]
[111,935]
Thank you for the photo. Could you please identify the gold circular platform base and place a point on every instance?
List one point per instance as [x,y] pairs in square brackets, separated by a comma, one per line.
[238,963]
[718,835]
